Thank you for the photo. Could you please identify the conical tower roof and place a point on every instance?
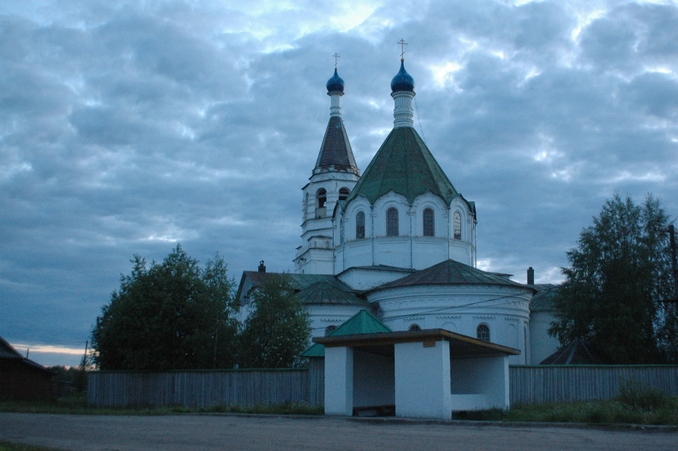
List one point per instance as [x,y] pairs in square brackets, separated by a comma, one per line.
[336,153]
[405,166]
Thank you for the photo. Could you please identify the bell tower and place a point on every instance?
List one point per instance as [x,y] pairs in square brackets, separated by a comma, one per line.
[334,176]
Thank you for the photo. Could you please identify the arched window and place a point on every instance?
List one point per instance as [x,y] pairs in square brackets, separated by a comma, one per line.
[329,330]
[343,193]
[392,222]
[414,327]
[321,197]
[483,332]
[360,225]
[429,222]
[457,225]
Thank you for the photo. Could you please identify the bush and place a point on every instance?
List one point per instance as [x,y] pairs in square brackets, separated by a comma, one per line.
[636,396]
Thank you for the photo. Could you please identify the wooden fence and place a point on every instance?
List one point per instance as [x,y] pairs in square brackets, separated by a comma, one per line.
[566,383]
[246,388]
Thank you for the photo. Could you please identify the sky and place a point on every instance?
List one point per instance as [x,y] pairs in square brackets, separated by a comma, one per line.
[129,127]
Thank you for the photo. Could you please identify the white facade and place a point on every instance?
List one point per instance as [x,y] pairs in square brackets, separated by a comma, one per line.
[461,309]
[395,222]
[450,233]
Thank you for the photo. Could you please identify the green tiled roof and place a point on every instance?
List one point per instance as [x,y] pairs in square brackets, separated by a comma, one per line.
[451,272]
[362,322]
[310,288]
[404,165]
[327,293]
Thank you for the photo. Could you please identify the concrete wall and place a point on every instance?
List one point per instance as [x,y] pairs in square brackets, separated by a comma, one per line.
[339,381]
[422,380]
[487,376]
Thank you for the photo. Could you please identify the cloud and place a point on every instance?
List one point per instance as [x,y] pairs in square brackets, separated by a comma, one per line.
[128,127]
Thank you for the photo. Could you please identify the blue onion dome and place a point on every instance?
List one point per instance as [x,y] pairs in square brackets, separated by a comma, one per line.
[335,83]
[402,81]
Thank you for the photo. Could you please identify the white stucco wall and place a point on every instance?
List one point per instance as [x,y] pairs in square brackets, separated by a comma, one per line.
[460,308]
[542,344]
[422,380]
[487,377]
[339,381]
[410,249]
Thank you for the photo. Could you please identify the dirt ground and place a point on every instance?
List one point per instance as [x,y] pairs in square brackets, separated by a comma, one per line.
[227,431]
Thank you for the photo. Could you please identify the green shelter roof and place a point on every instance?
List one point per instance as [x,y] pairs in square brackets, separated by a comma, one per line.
[404,165]
[362,322]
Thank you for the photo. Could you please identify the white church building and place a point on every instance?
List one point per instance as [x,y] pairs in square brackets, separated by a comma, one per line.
[400,242]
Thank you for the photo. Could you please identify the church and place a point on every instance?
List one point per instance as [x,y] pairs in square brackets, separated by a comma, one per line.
[399,241]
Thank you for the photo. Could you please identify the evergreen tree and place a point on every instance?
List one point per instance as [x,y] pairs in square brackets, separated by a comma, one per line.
[277,330]
[169,315]
[620,272]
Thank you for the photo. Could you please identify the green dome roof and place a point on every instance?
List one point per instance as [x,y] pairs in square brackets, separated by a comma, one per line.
[405,166]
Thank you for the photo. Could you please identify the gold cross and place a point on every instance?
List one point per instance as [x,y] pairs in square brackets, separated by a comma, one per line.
[336,59]
[402,49]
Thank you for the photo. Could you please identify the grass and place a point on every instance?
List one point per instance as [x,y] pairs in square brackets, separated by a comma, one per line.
[77,405]
[634,405]
[9,446]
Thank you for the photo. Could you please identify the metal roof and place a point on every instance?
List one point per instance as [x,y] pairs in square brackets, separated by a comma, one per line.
[327,293]
[405,166]
[451,272]
[335,152]
[542,301]
[361,323]
[575,352]
[8,352]
[309,288]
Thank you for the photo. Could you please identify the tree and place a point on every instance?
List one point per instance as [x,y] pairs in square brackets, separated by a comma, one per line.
[278,329]
[620,272]
[169,315]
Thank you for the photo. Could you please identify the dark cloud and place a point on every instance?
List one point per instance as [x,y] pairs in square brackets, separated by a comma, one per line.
[129,127]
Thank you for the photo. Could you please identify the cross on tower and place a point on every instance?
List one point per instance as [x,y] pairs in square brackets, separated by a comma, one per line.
[402,49]
[336,59]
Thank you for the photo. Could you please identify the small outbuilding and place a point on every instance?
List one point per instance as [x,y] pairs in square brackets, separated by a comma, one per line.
[21,378]
[419,373]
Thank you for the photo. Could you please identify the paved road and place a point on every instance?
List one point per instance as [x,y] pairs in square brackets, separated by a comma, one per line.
[205,432]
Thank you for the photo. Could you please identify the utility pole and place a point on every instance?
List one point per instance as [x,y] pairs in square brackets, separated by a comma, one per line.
[674,262]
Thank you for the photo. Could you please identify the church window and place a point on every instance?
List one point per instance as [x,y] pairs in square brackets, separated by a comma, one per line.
[429,224]
[392,222]
[483,332]
[329,330]
[360,225]
[343,193]
[457,225]
[321,197]
[414,327]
